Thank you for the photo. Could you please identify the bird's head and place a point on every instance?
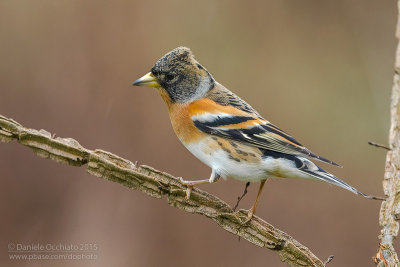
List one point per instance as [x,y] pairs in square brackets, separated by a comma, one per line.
[179,75]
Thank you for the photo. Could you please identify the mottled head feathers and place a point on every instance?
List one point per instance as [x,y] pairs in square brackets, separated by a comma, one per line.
[182,76]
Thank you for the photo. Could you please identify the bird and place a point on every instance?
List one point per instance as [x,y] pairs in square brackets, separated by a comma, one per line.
[225,132]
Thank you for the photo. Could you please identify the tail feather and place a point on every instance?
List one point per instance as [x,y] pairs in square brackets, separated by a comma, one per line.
[322,175]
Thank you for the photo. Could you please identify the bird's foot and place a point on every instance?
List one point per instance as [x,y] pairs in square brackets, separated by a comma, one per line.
[249,217]
[189,185]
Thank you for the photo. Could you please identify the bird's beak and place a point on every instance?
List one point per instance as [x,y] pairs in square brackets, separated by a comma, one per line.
[147,80]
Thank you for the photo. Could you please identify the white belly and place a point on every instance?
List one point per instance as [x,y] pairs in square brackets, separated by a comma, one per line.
[225,166]
[251,170]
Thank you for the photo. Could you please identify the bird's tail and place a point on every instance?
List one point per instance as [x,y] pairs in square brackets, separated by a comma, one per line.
[322,175]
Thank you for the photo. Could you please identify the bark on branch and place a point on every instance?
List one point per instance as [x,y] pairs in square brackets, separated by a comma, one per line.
[390,208]
[158,184]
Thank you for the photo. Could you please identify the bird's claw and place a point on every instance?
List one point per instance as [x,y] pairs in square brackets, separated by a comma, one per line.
[188,192]
[249,217]
[189,186]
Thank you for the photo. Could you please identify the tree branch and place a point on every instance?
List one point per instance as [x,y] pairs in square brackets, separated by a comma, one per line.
[157,184]
[390,208]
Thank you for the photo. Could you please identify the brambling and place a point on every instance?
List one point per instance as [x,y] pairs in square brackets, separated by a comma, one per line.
[225,132]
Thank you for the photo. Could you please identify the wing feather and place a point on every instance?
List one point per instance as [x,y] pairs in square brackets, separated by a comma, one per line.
[254,131]
[224,114]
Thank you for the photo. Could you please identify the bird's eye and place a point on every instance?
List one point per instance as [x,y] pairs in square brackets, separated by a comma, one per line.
[169,77]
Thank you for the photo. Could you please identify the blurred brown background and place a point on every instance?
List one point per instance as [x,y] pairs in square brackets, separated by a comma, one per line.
[321,70]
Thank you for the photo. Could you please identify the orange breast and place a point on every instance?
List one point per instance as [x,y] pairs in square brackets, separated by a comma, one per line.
[181,120]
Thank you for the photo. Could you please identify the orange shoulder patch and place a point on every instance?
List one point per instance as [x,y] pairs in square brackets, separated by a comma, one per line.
[206,105]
